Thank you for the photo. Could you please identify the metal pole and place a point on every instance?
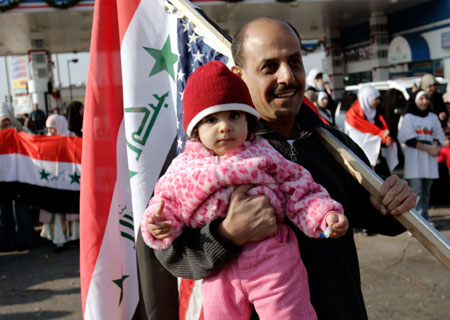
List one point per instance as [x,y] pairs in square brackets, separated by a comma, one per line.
[70,83]
[7,81]
[59,73]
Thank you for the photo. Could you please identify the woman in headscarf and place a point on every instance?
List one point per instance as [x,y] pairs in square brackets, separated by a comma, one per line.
[367,127]
[317,81]
[57,227]
[75,117]
[322,103]
[423,136]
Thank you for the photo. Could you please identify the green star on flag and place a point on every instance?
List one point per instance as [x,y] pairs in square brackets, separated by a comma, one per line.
[75,178]
[44,175]
[165,59]
[119,283]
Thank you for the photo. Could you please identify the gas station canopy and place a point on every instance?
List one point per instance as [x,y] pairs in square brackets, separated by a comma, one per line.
[69,30]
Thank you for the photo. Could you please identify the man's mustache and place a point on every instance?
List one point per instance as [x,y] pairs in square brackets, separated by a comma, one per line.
[282,88]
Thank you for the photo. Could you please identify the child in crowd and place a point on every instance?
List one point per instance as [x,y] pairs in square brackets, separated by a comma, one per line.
[422,134]
[57,227]
[221,154]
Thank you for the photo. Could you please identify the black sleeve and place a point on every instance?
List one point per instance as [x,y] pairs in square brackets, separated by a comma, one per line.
[361,212]
[197,253]
[411,142]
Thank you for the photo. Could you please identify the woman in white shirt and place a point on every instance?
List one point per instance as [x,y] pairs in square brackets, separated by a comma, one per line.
[422,134]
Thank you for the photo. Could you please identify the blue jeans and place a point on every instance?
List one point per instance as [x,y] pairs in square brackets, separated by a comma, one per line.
[422,188]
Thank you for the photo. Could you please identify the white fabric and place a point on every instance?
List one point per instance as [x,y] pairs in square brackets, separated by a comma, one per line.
[21,168]
[311,76]
[59,123]
[365,96]
[219,108]
[418,163]
[391,155]
[369,143]
[322,94]
[418,95]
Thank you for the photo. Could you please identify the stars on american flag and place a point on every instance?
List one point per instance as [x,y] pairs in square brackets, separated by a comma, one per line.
[193,52]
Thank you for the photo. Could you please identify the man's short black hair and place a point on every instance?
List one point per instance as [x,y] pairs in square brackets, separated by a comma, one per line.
[239,38]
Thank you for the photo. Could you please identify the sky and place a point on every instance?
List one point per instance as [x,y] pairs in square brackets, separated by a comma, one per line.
[78,71]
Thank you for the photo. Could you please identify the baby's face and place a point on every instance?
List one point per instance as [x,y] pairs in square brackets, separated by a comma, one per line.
[223,131]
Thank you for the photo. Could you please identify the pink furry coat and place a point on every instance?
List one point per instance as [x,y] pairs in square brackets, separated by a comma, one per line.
[196,189]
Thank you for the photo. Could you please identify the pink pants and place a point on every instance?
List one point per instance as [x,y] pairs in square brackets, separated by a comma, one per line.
[269,275]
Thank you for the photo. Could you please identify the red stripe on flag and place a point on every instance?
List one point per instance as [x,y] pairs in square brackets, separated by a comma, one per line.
[55,148]
[127,10]
[186,289]
[103,115]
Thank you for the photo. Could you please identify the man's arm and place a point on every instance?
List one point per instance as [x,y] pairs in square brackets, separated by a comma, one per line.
[198,253]
[396,197]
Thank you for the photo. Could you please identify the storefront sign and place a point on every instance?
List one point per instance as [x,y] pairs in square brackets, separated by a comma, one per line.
[399,51]
[445,40]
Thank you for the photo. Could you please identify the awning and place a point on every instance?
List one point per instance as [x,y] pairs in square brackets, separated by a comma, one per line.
[408,48]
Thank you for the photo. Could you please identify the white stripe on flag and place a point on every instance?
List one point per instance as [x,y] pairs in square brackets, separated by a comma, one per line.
[50,174]
[149,102]
[117,256]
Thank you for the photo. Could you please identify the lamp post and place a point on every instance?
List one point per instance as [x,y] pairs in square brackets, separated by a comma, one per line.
[68,72]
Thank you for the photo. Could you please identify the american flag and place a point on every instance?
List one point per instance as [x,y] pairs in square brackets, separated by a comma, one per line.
[193,53]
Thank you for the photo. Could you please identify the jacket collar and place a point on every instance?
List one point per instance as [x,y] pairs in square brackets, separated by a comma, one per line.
[306,119]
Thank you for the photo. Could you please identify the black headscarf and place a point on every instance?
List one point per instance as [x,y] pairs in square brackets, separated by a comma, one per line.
[411,106]
[74,117]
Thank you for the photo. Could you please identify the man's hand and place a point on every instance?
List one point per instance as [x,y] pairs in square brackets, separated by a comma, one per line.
[396,197]
[249,219]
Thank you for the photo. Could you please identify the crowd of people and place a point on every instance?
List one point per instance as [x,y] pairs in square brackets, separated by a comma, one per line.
[410,135]
[267,190]
[17,217]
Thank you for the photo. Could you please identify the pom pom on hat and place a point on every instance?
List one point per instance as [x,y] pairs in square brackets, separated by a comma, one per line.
[214,88]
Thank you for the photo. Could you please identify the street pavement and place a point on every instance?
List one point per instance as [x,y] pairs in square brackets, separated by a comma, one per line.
[400,279]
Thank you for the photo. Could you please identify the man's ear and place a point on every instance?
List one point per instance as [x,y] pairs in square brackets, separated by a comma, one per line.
[237,71]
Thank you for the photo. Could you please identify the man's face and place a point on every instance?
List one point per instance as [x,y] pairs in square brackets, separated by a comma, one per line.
[431,89]
[273,70]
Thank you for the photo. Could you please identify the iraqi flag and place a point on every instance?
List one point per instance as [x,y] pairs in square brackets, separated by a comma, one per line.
[44,170]
[141,57]
[369,136]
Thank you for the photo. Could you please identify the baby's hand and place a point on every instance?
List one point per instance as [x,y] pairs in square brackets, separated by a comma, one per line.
[159,227]
[338,223]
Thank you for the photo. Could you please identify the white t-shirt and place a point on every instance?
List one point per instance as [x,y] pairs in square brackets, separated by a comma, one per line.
[418,163]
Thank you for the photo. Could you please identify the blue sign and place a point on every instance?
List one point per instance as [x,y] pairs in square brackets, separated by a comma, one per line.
[445,40]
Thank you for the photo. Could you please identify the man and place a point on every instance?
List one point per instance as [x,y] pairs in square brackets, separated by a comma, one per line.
[429,84]
[268,58]
[36,121]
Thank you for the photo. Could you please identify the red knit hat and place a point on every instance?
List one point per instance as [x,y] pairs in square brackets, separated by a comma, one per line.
[213,88]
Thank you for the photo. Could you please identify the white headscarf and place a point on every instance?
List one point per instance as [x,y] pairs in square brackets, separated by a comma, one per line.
[58,122]
[311,77]
[322,94]
[419,94]
[365,96]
